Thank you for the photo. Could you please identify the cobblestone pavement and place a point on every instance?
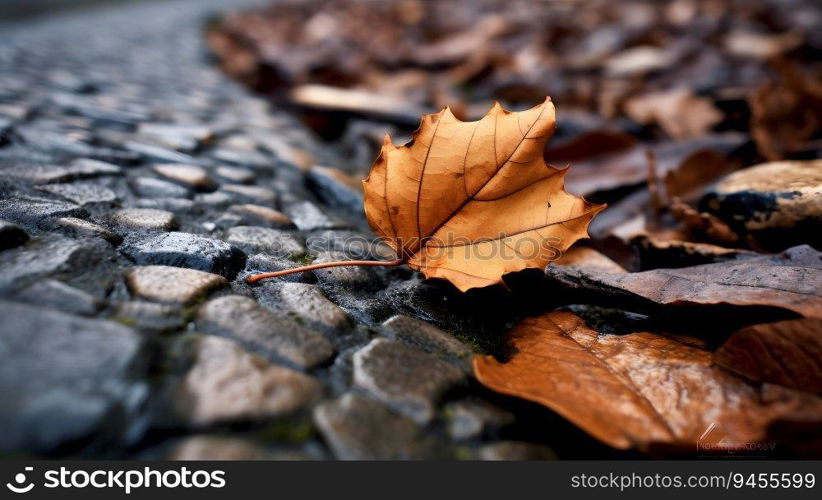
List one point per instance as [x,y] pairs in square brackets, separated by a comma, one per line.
[138,187]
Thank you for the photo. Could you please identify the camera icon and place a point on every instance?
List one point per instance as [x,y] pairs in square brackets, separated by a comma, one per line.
[20,478]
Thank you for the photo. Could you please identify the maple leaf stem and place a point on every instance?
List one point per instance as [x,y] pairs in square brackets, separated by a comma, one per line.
[339,263]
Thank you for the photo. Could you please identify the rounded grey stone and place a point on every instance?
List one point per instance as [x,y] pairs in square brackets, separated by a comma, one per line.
[349,277]
[405,378]
[357,428]
[81,168]
[149,187]
[42,258]
[59,295]
[242,319]
[308,216]
[145,218]
[185,250]
[227,383]
[217,199]
[172,284]
[308,302]
[250,194]
[82,193]
[182,137]
[336,188]
[150,316]
[65,378]
[470,419]
[176,205]
[425,336]
[79,227]
[189,175]
[258,215]
[253,239]
[33,212]
[235,175]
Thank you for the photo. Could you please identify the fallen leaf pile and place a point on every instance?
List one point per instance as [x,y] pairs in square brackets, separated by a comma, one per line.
[624,66]
[672,95]
[699,123]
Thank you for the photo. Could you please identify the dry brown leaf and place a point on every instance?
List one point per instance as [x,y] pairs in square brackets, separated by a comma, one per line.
[471,201]
[786,114]
[791,280]
[702,224]
[359,102]
[639,389]
[661,250]
[697,171]
[460,46]
[591,144]
[787,353]
[588,258]
[631,167]
[761,45]
[680,113]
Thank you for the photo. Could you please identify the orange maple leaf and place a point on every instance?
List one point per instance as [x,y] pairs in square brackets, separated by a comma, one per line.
[469,202]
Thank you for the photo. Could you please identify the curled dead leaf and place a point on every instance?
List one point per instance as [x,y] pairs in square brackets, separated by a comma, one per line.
[471,201]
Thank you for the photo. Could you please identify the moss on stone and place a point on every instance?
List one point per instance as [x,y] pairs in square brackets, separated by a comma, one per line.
[302,259]
[289,430]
